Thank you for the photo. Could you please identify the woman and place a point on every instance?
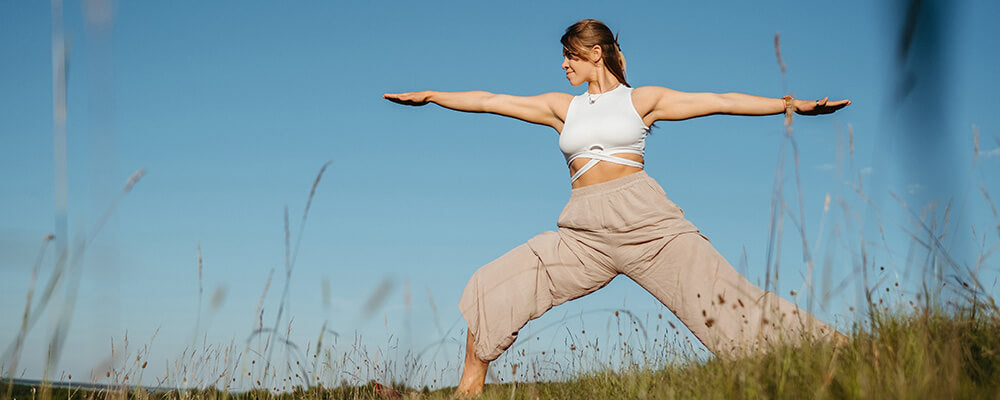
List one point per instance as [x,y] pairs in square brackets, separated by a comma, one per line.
[618,219]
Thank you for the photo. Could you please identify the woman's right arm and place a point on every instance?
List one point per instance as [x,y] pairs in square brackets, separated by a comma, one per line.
[545,109]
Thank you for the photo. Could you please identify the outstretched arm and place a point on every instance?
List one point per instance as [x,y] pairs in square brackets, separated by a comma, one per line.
[669,104]
[542,109]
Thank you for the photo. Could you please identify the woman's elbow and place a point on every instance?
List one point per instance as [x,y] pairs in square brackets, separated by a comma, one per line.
[489,102]
[725,103]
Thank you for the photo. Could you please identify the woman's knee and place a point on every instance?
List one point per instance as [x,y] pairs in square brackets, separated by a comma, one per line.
[501,297]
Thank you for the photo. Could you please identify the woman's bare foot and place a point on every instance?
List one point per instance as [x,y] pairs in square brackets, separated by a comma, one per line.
[387,392]
[840,341]
[473,374]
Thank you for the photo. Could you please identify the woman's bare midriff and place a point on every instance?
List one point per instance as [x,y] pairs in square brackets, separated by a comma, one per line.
[603,171]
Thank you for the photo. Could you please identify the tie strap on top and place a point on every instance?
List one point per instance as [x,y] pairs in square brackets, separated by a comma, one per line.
[597,154]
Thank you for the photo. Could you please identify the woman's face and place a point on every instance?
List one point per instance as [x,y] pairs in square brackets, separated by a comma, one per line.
[581,68]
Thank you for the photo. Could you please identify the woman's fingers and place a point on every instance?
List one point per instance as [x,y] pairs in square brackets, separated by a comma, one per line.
[394,96]
[823,106]
[408,98]
[835,105]
[398,95]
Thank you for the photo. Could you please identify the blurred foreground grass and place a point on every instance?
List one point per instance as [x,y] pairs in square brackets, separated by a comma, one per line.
[920,353]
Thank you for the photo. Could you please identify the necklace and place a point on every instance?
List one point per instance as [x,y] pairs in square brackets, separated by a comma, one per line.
[593,98]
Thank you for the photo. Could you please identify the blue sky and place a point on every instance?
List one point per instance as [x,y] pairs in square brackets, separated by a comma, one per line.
[232,110]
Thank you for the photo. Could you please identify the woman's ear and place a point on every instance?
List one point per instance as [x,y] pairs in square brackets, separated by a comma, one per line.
[598,54]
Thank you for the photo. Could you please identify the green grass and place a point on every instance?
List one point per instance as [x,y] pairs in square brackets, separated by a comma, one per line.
[931,354]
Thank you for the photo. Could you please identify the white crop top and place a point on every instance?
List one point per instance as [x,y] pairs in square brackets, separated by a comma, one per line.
[597,129]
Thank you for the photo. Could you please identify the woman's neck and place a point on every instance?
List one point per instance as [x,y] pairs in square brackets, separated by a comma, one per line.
[604,83]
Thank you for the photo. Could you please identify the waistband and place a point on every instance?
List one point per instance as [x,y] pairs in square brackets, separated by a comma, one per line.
[613,185]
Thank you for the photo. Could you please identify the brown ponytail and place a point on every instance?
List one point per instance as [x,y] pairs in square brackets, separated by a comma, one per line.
[585,34]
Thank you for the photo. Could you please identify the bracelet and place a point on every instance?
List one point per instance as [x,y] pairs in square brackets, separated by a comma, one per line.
[789,110]
[788,103]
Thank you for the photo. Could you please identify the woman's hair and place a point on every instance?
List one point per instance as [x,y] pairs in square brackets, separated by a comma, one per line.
[582,36]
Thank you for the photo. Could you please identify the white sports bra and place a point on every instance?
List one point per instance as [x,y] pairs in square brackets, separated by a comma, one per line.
[597,129]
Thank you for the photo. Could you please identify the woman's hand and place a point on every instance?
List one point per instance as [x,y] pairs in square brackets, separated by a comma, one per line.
[818,107]
[409,98]
[542,109]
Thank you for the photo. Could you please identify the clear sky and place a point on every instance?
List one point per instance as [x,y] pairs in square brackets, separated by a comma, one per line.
[232,110]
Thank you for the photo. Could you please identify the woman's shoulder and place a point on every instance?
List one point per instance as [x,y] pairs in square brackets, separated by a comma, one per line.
[652,94]
[560,95]
[558,100]
[645,97]
[557,103]
[554,97]
[650,91]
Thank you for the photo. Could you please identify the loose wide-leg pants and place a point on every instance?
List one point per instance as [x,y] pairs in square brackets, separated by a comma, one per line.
[628,226]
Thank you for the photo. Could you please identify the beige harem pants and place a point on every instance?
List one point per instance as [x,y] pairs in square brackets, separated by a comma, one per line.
[628,226]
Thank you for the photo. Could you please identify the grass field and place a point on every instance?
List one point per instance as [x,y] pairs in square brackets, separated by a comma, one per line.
[930,354]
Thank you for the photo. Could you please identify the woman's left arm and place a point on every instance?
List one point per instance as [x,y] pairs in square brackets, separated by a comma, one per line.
[669,104]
